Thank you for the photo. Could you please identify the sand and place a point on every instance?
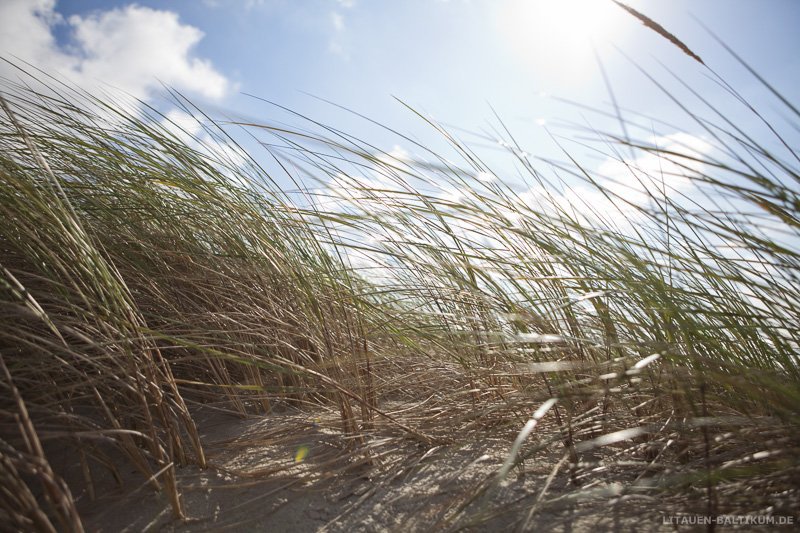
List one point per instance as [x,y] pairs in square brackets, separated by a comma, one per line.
[255,483]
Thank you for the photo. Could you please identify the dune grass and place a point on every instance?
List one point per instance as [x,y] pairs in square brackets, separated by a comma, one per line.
[145,272]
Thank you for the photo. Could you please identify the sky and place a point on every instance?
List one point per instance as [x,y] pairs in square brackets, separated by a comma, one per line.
[457,61]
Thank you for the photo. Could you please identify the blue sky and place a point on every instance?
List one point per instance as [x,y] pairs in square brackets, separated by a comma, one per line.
[450,59]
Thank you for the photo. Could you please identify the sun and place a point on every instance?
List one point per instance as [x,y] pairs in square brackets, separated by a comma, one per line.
[560,34]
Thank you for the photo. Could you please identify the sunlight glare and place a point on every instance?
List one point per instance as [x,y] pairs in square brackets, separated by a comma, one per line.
[556,36]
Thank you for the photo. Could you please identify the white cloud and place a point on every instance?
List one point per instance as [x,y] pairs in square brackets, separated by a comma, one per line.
[338,21]
[396,157]
[248,5]
[132,48]
[485,177]
[652,174]
[631,184]
[337,44]
[182,125]
[194,132]
[26,31]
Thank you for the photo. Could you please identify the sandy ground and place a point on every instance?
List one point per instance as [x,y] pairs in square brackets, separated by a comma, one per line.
[256,484]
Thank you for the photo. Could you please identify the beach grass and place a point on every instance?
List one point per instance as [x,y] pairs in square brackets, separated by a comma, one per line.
[646,328]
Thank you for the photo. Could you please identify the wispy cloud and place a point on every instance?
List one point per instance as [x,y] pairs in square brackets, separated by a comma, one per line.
[338,22]
[251,4]
[337,44]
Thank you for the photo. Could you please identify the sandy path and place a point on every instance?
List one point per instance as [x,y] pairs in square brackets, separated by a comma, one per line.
[256,484]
